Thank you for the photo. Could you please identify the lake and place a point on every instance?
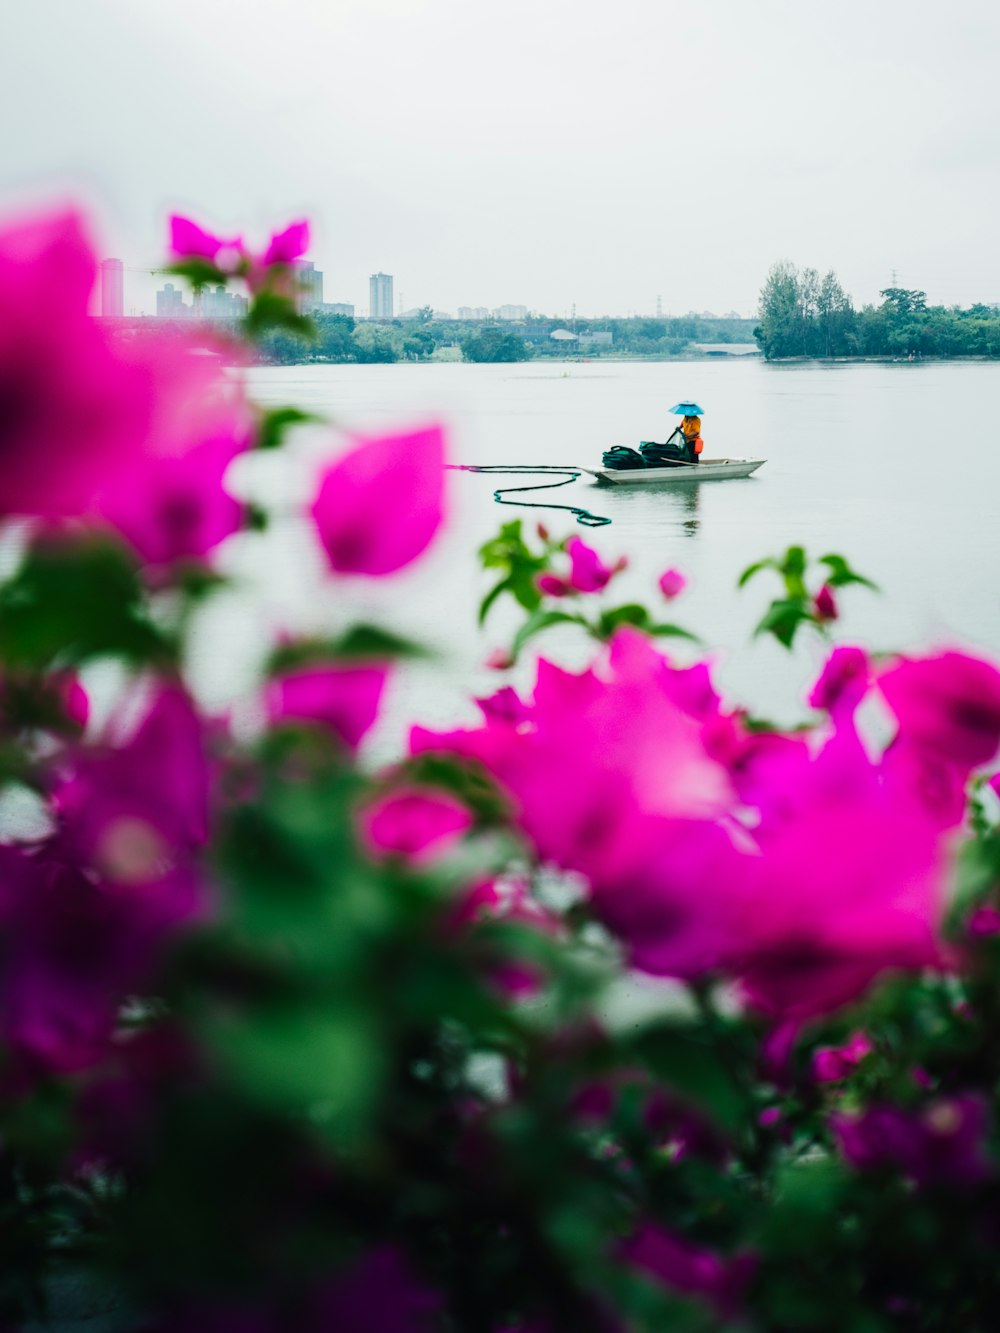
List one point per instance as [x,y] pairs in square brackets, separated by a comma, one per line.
[895,465]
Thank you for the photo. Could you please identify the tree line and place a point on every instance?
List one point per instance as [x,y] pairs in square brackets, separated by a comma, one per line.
[340,338]
[803,314]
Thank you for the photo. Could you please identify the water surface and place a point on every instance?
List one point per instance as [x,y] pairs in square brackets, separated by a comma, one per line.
[860,459]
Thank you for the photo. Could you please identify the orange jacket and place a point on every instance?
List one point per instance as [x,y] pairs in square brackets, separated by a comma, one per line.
[691,426]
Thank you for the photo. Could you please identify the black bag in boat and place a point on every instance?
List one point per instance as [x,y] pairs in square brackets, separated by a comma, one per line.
[661,455]
[622,458]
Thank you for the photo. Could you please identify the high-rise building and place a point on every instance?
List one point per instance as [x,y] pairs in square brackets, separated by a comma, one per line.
[310,284]
[473,312]
[112,287]
[380,296]
[511,312]
[217,303]
[170,303]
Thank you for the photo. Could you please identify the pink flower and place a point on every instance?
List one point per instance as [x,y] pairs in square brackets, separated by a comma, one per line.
[691,1269]
[944,1144]
[598,753]
[342,699]
[189,241]
[497,901]
[949,704]
[839,895]
[825,604]
[831,1064]
[380,506]
[671,583]
[380,1291]
[552,585]
[71,955]
[57,702]
[588,572]
[499,659]
[843,682]
[288,245]
[74,408]
[173,509]
[984,922]
[505,705]
[609,777]
[414,823]
[137,812]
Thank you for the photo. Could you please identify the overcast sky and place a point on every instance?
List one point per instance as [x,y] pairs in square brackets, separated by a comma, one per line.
[538,152]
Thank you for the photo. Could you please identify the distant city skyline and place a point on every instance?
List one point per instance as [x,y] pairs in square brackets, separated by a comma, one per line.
[170,301]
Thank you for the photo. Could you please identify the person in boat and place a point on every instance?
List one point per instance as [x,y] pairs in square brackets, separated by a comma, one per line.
[690,429]
[687,437]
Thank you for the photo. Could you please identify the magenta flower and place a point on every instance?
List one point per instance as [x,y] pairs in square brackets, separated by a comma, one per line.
[934,784]
[608,776]
[74,407]
[288,245]
[176,508]
[838,896]
[691,1269]
[379,1292]
[380,506]
[499,659]
[588,572]
[342,699]
[843,681]
[494,900]
[57,702]
[831,1064]
[70,957]
[984,922]
[672,583]
[599,757]
[137,812]
[944,1144]
[413,823]
[553,586]
[505,705]
[189,241]
[948,704]
[825,604]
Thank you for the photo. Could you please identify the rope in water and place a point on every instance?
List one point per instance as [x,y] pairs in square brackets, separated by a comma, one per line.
[569,473]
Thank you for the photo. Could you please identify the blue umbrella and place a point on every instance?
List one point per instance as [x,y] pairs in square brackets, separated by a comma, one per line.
[688,410]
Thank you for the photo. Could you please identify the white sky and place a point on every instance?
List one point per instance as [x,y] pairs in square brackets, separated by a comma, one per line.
[539,152]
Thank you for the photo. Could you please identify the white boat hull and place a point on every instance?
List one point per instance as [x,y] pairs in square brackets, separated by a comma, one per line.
[709,469]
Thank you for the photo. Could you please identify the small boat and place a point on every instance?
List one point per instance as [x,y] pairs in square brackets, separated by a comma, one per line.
[709,469]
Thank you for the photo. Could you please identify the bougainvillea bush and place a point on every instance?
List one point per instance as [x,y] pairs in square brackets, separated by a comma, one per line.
[292,1041]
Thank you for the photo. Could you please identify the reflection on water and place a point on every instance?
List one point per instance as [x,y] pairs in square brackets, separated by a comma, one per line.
[677,506]
[886,496]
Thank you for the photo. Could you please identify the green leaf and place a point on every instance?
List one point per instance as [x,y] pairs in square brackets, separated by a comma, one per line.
[269,310]
[631,613]
[841,573]
[76,599]
[198,271]
[782,619]
[666,630]
[275,422]
[693,1067]
[793,566]
[363,642]
[496,591]
[497,552]
[541,620]
[751,570]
